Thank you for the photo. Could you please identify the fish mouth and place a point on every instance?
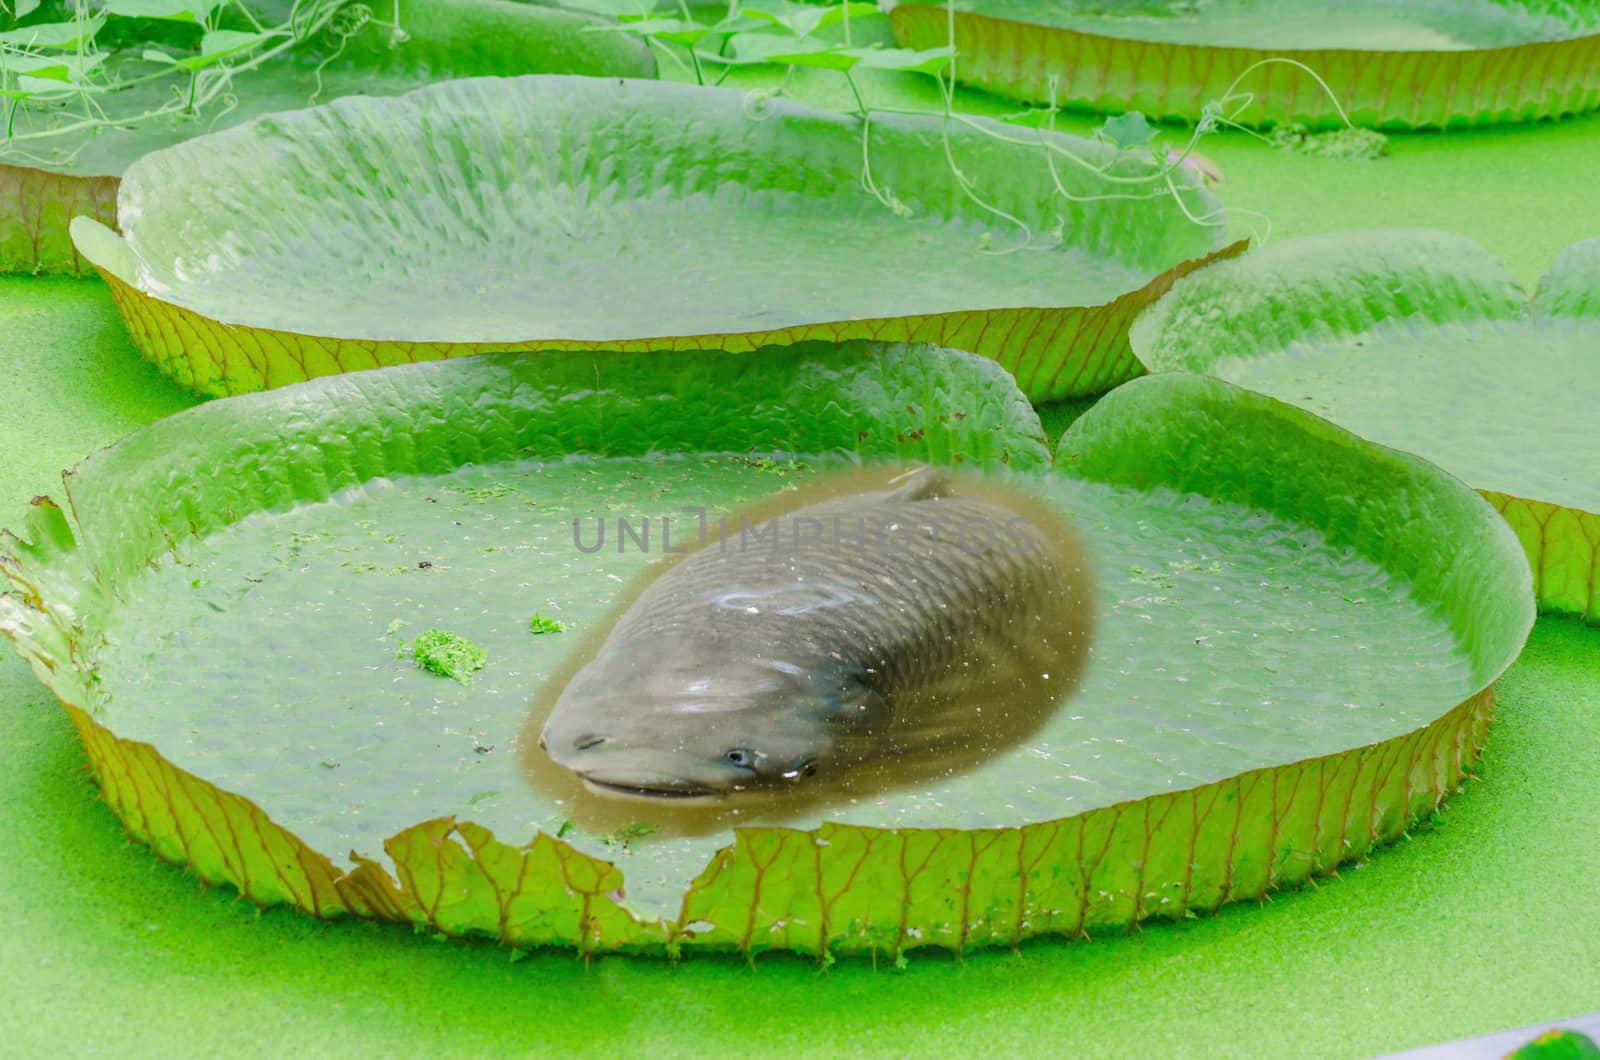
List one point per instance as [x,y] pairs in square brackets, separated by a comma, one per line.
[617,789]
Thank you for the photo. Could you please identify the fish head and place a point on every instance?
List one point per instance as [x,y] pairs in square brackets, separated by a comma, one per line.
[682,720]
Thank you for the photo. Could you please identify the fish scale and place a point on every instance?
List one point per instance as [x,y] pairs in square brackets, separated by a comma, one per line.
[920,622]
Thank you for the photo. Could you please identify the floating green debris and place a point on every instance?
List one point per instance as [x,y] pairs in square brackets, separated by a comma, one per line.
[544,624]
[1349,144]
[479,494]
[448,655]
[776,467]
[629,832]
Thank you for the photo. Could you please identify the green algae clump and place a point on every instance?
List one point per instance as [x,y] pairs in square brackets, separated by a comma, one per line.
[448,655]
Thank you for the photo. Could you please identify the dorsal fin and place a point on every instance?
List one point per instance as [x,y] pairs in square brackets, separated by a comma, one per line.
[920,483]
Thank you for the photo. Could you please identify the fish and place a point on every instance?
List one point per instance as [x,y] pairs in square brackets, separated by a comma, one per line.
[878,626]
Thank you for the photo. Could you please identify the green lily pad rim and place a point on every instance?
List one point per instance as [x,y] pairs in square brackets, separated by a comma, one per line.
[1054,351]
[1279,294]
[1480,287]
[1145,435]
[99,244]
[1398,90]
[1483,585]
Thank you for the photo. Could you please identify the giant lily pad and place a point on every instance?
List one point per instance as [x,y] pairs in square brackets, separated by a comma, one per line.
[1289,667]
[1436,64]
[45,182]
[1423,341]
[559,212]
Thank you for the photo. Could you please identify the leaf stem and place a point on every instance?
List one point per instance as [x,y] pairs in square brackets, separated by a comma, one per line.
[694,58]
[849,79]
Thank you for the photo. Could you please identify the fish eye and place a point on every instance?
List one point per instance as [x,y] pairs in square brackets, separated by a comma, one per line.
[742,757]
